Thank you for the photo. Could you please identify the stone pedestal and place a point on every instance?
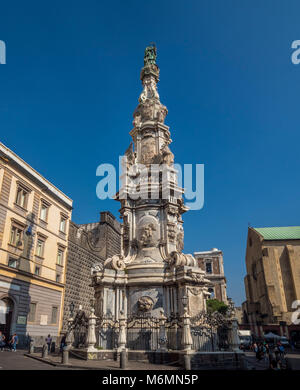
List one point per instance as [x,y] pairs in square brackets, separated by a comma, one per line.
[91,337]
[186,340]
[234,336]
[122,333]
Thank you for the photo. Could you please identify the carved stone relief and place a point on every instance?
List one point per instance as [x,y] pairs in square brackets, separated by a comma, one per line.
[180,243]
[148,150]
[145,304]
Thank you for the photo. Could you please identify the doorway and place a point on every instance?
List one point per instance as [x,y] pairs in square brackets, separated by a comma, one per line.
[6,313]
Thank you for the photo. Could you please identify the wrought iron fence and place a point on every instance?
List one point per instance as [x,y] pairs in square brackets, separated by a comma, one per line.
[173,327]
[210,332]
[107,332]
[143,333]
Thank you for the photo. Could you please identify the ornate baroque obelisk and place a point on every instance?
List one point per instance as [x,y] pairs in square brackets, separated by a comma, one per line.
[151,274]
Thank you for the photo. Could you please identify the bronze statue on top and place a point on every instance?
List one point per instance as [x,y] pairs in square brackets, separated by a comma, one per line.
[150,55]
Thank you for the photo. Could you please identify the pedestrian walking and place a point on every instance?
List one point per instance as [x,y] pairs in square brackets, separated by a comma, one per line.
[259,352]
[2,341]
[265,353]
[13,342]
[281,349]
[49,342]
[62,343]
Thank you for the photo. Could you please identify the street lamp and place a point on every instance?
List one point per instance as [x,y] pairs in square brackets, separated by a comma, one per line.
[71,307]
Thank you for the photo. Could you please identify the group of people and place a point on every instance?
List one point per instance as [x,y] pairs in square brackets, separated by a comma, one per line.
[274,355]
[12,343]
[49,342]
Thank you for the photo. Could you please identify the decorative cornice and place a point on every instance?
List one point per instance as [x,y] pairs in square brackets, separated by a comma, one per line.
[33,175]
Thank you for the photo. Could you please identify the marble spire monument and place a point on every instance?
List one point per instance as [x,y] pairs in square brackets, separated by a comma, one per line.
[151,274]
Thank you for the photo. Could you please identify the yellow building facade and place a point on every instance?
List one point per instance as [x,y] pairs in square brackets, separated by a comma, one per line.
[34,219]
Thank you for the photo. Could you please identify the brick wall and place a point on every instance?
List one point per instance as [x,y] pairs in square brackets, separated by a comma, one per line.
[88,244]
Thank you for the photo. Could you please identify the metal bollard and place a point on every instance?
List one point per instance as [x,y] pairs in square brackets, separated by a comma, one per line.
[65,356]
[187,362]
[123,359]
[45,351]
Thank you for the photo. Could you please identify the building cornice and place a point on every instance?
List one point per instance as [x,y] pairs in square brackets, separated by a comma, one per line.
[33,175]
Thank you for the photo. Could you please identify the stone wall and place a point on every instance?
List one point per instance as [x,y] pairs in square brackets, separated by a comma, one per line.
[272,282]
[88,244]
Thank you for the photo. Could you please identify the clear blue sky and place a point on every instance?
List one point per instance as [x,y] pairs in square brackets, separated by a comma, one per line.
[71,84]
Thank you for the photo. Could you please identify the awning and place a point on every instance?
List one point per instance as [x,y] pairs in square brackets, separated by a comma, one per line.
[271,335]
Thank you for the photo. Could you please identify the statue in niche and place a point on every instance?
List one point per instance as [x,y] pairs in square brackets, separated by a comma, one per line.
[148,150]
[146,236]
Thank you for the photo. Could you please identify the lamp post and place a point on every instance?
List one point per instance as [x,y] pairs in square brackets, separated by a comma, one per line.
[71,308]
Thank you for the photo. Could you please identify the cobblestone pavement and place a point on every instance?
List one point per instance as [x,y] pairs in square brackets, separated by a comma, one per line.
[17,361]
[254,364]
[107,364]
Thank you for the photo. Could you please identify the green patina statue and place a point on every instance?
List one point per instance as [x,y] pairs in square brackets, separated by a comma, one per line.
[150,55]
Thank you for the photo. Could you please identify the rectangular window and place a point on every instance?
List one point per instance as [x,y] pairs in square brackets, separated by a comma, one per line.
[60,257]
[13,263]
[32,311]
[21,199]
[44,212]
[16,236]
[58,278]
[37,271]
[54,315]
[208,268]
[62,225]
[40,247]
